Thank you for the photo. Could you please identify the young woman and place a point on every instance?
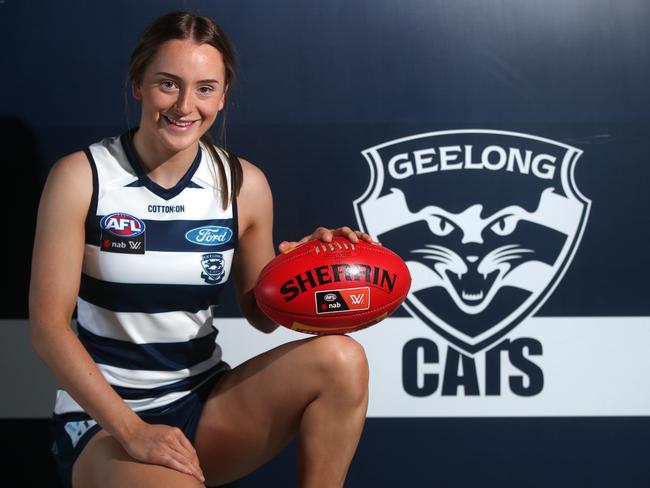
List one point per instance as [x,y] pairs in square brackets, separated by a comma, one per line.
[140,232]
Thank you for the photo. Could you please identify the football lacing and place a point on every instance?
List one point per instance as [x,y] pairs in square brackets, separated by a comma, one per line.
[325,246]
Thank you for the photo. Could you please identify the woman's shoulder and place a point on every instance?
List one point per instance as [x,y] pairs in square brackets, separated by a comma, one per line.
[254,200]
[254,179]
[74,166]
[71,174]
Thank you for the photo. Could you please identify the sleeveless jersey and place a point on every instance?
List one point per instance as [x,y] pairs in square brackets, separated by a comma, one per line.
[154,265]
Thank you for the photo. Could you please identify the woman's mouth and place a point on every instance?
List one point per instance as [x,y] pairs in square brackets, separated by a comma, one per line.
[177,124]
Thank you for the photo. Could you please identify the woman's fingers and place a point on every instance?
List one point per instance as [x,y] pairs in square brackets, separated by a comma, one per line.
[187,453]
[183,463]
[180,464]
[167,446]
[190,452]
[354,235]
[320,233]
[324,234]
[286,246]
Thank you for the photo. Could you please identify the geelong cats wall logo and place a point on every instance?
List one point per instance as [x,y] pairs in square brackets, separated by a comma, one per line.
[487,221]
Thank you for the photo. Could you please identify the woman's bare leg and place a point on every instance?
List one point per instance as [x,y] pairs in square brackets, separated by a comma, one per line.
[104,463]
[315,388]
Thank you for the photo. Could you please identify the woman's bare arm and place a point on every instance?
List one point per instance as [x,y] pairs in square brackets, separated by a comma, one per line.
[56,270]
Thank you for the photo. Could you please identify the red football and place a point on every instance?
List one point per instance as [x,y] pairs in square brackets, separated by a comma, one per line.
[332,288]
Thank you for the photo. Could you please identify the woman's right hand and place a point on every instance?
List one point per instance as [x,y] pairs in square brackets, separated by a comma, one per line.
[163,445]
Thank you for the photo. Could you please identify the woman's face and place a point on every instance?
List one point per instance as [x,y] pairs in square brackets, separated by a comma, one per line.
[182,90]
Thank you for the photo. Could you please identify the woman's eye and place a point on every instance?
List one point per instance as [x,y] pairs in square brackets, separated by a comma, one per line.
[440,226]
[206,90]
[167,85]
[504,226]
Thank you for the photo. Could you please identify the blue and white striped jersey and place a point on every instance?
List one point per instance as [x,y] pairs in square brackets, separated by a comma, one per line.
[154,265]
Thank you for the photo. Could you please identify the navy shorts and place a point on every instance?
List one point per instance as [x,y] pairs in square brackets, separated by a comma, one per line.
[71,432]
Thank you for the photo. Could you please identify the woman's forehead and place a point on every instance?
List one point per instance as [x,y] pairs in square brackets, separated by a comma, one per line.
[187,59]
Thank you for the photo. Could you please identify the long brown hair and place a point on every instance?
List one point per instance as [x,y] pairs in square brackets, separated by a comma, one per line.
[202,30]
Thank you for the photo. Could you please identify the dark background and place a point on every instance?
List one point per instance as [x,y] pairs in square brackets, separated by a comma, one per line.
[318,83]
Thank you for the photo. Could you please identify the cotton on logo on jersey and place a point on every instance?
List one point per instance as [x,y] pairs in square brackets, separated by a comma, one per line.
[487,222]
[122,233]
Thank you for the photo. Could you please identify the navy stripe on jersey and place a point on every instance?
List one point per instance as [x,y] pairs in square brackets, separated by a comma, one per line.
[157,356]
[148,298]
[138,167]
[163,235]
[92,232]
[138,183]
[185,384]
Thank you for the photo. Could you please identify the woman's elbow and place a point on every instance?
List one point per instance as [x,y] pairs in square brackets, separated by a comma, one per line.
[260,321]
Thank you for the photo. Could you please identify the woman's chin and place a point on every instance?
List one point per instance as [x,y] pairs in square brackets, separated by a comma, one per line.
[178,142]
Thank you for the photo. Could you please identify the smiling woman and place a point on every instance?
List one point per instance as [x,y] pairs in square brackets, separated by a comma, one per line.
[141,233]
[182,91]
[182,84]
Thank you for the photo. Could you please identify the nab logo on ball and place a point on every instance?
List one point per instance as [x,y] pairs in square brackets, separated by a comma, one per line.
[122,233]
[334,301]
[488,223]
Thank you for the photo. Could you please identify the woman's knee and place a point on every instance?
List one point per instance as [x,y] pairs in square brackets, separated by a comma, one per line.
[342,362]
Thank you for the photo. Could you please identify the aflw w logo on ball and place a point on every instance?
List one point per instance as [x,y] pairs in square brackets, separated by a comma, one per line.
[487,221]
[332,301]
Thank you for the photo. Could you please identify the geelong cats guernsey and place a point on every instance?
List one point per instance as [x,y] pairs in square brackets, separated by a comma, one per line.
[155,263]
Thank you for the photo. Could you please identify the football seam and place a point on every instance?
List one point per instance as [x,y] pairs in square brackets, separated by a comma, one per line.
[371,247]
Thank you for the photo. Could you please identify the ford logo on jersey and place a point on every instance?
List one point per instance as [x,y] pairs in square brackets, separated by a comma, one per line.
[209,235]
[122,225]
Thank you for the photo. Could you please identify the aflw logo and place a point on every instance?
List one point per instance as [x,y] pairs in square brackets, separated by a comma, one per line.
[333,301]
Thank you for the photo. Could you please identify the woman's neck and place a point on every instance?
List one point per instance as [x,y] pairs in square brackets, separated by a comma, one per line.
[164,167]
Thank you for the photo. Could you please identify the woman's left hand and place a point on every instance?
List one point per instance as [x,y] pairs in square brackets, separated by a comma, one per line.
[324,234]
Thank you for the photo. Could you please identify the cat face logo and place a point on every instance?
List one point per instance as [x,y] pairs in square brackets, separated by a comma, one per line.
[213,267]
[487,222]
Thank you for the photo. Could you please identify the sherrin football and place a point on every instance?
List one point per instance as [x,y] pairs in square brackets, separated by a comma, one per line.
[332,288]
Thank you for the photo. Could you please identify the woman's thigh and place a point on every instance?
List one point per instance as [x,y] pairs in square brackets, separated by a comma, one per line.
[255,409]
[104,463]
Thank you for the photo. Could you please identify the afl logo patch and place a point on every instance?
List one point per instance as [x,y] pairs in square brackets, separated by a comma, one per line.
[122,225]
[122,233]
[209,235]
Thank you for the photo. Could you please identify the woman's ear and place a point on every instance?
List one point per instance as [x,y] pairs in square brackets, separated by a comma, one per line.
[135,91]
[223,99]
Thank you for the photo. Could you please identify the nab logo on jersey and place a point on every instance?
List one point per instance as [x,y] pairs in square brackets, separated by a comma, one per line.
[122,233]
[487,221]
[122,225]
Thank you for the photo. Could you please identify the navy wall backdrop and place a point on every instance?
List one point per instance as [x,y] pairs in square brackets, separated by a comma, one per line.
[319,82]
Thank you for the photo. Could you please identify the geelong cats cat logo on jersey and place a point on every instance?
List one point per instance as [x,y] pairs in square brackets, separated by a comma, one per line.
[487,221]
[213,267]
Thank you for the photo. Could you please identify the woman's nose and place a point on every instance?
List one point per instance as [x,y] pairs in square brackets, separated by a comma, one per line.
[183,103]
